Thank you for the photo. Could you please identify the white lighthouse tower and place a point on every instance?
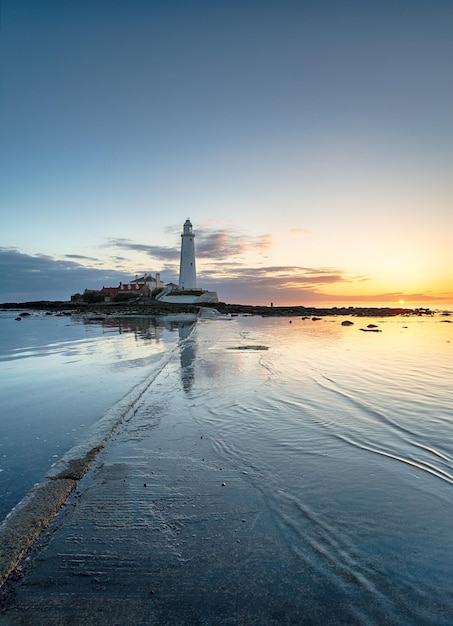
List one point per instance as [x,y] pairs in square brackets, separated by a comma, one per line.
[187,292]
[187,271]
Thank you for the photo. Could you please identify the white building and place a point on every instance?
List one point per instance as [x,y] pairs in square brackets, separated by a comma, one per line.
[150,281]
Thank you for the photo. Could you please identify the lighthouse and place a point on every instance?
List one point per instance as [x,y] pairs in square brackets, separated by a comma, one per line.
[186,292]
[187,271]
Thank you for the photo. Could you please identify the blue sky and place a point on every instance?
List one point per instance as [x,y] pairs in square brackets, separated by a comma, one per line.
[309,142]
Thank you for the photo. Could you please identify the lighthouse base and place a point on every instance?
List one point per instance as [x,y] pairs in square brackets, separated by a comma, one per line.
[187,297]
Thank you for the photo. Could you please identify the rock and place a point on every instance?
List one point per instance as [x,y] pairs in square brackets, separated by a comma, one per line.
[347,323]
[18,319]
[372,326]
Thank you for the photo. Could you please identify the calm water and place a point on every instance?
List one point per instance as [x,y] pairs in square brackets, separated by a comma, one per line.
[347,436]
[58,376]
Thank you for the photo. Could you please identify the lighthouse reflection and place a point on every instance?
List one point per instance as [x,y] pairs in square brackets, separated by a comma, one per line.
[184,323]
[187,355]
[151,329]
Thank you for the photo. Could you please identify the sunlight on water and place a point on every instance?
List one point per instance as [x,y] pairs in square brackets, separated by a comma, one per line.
[390,388]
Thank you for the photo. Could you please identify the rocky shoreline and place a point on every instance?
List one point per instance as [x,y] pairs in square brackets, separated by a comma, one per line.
[160,308]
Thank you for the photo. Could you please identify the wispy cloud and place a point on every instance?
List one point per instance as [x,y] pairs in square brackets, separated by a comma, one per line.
[210,244]
[299,231]
[222,244]
[161,253]
[81,257]
[263,284]
[282,275]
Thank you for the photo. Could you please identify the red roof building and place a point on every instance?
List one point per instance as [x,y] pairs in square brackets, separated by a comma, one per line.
[133,287]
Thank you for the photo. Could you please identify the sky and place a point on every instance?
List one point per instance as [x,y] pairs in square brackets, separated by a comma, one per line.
[309,142]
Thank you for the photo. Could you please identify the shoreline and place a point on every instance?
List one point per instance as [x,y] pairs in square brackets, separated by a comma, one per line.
[159,308]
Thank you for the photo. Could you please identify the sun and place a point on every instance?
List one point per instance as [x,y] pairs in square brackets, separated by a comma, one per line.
[401,301]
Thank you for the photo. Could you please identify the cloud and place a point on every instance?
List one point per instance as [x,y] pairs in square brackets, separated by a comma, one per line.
[81,257]
[222,244]
[161,253]
[263,242]
[219,245]
[285,283]
[288,285]
[25,277]
[295,285]
[282,275]
[209,244]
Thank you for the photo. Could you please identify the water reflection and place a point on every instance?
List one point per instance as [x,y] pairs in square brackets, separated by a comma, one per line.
[143,328]
[188,353]
[151,329]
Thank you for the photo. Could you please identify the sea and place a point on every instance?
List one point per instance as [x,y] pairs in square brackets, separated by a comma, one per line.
[346,431]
